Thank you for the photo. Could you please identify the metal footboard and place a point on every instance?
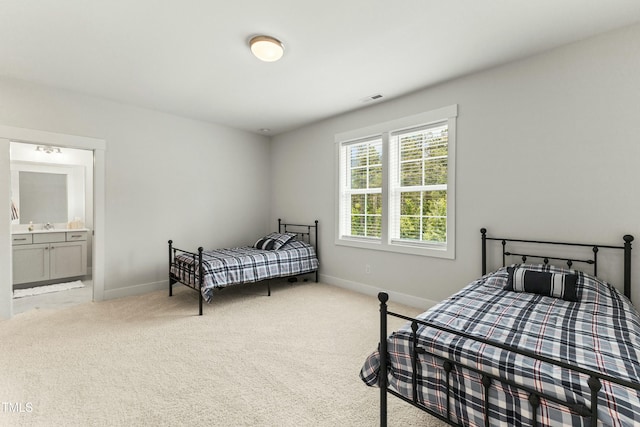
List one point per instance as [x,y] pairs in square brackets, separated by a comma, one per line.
[594,382]
[190,275]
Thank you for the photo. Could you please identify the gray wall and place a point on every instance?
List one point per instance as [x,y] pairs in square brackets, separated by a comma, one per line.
[547,148]
[167,177]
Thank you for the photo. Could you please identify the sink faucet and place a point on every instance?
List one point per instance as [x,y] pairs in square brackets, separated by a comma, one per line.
[48,226]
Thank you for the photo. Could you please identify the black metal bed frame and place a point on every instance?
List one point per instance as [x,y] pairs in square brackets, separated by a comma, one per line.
[195,276]
[594,381]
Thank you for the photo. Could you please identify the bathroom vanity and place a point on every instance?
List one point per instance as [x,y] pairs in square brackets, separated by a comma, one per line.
[49,254]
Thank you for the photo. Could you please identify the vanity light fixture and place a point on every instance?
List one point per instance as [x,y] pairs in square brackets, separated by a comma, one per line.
[48,149]
[266,48]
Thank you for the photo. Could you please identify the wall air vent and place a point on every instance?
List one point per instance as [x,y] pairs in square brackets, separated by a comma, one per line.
[371,98]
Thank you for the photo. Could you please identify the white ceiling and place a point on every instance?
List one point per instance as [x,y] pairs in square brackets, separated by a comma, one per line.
[191,58]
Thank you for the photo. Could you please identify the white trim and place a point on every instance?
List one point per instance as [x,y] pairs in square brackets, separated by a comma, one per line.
[134,290]
[98,146]
[394,297]
[399,124]
[383,131]
[6,252]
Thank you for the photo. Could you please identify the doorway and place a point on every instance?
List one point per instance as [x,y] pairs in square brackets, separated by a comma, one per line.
[28,136]
[52,201]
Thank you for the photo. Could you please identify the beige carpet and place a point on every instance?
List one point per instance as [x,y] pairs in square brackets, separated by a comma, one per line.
[291,359]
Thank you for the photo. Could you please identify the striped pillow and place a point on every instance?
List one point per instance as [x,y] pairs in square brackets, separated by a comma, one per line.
[265,244]
[273,241]
[557,285]
[279,240]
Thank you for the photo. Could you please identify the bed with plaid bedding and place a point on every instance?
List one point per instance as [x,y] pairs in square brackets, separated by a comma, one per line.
[600,332]
[225,267]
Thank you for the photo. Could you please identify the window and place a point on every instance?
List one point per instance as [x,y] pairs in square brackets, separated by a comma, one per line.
[396,185]
[363,188]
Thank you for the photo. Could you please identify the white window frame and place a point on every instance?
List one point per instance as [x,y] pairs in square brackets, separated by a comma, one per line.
[385,131]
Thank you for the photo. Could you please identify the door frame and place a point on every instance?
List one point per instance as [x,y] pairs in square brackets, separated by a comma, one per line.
[32,136]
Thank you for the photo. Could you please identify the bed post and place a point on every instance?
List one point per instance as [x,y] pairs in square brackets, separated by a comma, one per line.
[279,225]
[170,260]
[201,278]
[317,252]
[382,374]
[484,250]
[627,265]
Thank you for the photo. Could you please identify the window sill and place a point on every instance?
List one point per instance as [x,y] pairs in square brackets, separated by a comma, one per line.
[446,252]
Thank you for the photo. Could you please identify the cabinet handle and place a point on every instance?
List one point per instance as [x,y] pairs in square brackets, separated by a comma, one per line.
[74,235]
[15,240]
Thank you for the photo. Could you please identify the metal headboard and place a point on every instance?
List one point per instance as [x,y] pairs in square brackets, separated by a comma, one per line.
[569,261]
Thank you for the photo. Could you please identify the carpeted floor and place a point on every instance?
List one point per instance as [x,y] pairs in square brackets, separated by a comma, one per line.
[291,359]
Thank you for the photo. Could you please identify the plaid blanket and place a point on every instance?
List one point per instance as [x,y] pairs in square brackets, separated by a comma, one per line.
[224,267]
[601,332]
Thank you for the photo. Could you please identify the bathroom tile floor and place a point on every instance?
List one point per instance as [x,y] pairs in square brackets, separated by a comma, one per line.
[55,300]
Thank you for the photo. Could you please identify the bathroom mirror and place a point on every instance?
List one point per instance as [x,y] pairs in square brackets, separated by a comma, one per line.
[42,193]
[43,197]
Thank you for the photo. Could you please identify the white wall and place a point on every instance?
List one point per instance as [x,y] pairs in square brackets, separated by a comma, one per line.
[547,148]
[167,177]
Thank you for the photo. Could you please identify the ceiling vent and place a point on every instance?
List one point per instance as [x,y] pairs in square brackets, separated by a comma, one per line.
[371,98]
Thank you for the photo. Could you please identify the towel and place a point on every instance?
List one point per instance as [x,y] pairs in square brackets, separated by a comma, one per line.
[14,212]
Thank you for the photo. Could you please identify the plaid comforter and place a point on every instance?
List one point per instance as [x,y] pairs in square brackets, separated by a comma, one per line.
[601,332]
[224,267]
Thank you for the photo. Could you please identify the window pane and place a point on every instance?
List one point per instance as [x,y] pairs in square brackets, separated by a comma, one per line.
[359,178]
[435,230]
[357,225]
[358,204]
[435,171]
[374,226]
[374,204]
[411,173]
[409,228]
[410,203]
[435,203]
[438,148]
[375,154]
[375,177]
[358,155]
[411,147]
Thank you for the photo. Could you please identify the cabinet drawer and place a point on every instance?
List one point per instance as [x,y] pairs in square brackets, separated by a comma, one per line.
[49,237]
[21,239]
[73,236]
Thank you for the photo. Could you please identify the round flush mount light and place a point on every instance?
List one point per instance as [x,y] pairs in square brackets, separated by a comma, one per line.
[266,48]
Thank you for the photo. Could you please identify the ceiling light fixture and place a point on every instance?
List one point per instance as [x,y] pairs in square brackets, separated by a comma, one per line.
[266,48]
[48,149]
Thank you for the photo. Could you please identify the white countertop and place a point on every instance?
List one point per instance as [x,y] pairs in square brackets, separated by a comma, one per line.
[53,230]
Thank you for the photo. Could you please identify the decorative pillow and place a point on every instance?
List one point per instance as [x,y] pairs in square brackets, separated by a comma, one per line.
[264,244]
[557,285]
[273,241]
[279,240]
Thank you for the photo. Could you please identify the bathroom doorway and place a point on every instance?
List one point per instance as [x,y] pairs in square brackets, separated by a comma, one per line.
[36,137]
[51,208]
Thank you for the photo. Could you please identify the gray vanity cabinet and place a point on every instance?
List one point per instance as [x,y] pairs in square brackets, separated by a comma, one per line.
[48,256]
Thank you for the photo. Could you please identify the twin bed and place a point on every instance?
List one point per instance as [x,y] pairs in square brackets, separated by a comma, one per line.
[528,344]
[290,252]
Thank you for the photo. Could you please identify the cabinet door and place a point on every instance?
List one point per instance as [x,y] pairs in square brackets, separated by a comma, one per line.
[30,263]
[68,259]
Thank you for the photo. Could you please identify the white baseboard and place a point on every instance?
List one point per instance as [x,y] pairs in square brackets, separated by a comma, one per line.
[394,296]
[129,291]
